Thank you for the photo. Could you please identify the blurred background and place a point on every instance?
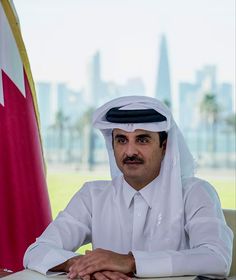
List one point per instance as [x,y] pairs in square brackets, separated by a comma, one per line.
[86,52]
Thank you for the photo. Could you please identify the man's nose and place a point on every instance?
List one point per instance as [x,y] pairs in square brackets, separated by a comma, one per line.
[131,149]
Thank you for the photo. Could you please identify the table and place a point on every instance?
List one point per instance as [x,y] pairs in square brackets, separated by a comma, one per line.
[4,272]
[32,275]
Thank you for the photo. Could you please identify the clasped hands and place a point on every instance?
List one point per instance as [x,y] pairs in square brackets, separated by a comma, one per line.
[102,264]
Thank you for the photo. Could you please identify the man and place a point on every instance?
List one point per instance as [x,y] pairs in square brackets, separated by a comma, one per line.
[152,219]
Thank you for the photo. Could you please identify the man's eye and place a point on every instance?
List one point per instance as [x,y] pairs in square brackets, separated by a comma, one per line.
[143,140]
[121,140]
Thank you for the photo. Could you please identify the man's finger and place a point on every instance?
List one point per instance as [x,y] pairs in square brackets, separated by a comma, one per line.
[72,275]
[82,264]
[113,275]
[100,276]
[86,277]
[90,269]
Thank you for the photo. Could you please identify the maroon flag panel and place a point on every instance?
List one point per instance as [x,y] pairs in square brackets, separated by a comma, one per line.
[24,203]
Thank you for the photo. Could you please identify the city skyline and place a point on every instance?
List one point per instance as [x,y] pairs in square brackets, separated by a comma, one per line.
[127,34]
[64,131]
[74,110]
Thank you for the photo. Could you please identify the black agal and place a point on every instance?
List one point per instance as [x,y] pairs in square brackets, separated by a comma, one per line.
[134,116]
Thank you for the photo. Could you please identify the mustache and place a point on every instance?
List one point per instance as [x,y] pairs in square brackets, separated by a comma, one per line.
[133,159]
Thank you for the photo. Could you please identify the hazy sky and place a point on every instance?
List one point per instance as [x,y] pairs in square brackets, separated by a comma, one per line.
[61,35]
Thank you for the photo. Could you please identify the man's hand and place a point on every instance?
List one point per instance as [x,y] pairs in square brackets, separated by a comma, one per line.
[102,261]
[66,265]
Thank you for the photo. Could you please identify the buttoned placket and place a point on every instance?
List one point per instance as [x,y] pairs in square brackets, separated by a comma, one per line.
[139,220]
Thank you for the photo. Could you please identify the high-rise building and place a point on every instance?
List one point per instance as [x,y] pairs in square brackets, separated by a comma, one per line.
[62,97]
[44,96]
[99,91]
[163,85]
[188,105]
[69,102]
[225,99]
[134,86]
[204,106]
[191,95]
[94,87]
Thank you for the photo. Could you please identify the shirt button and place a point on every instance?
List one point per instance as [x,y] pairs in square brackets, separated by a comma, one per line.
[139,214]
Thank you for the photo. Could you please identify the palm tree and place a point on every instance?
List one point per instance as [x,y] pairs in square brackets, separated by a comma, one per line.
[59,127]
[210,110]
[231,122]
[85,130]
[70,147]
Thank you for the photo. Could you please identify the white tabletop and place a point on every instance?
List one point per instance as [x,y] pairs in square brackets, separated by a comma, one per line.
[32,275]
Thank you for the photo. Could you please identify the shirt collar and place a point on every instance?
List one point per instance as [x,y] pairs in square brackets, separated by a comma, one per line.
[128,192]
[146,192]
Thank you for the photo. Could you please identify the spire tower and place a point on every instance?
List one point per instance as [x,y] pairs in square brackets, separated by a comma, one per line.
[163,88]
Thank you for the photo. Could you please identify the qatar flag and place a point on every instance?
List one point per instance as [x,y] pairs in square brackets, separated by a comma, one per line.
[24,203]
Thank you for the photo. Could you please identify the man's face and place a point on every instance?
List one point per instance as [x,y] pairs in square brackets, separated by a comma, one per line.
[138,155]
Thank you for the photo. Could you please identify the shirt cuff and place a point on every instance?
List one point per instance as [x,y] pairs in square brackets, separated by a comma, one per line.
[53,258]
[152,264]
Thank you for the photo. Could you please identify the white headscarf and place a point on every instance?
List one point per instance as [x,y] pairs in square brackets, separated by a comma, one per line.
[177,164]
[177,152]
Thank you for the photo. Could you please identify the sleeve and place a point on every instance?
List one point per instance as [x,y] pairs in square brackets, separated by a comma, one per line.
[210,241]
[70,230]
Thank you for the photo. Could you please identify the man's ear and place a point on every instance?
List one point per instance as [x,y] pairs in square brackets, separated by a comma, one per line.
[112,136]
[164,143]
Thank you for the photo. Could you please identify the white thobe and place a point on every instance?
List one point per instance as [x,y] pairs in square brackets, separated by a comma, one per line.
[114,216]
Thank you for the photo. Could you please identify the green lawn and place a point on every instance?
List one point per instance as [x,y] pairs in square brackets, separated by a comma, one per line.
[226,190]
[63,185]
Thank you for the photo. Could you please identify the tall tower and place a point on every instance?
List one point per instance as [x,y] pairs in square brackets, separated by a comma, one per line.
[94,83]
[163,89]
